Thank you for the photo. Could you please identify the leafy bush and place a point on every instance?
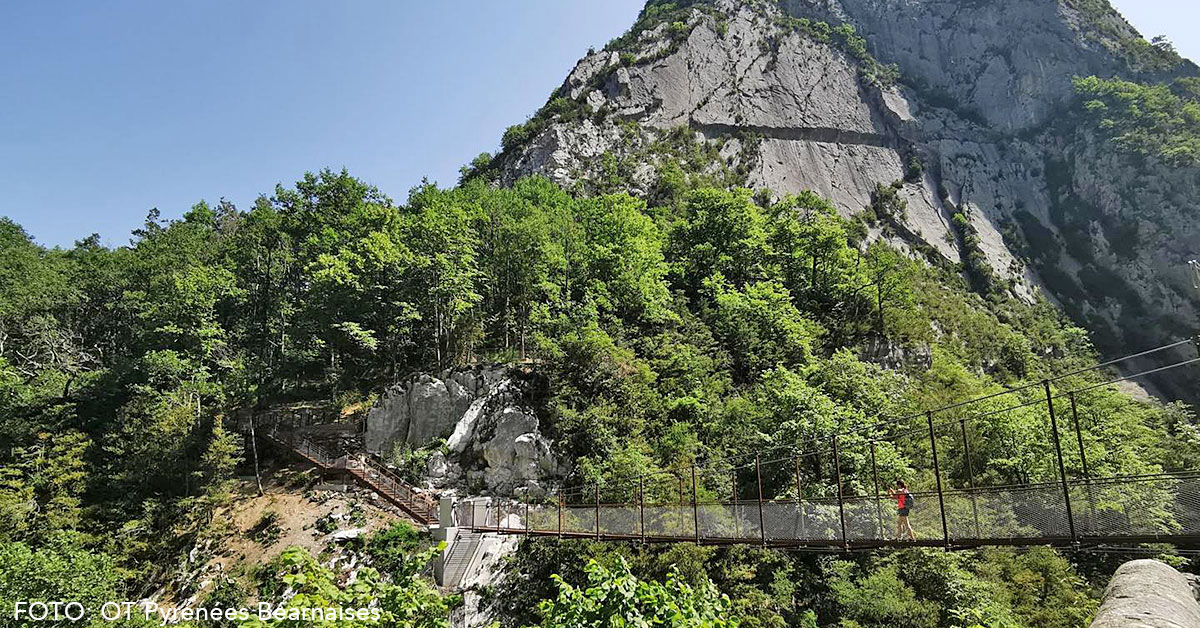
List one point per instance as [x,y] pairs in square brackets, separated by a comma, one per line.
[615,597]
[406,602]
[398,550]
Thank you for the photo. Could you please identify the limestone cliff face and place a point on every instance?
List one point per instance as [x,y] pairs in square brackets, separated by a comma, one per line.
[1005,61]
[984,102]
[492,442]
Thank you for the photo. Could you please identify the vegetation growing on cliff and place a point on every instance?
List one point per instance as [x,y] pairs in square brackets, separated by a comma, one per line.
[1156,120]
[1103,25]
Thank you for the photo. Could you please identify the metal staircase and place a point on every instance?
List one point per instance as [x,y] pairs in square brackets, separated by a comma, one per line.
[458,560]
[419,505]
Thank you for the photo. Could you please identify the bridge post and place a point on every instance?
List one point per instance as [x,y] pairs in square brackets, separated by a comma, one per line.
[1062,470]
[1087,475]
[837,474]
[642,507]
[597,510]
[962,424]
[800,500]
[527,525]
[695,506]
[878,505]
[682,525]
[762,522]
[733,478]
[560,515]
[497,515]
[937,474]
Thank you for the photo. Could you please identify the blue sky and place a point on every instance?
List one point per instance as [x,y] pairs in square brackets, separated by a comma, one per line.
[112,108]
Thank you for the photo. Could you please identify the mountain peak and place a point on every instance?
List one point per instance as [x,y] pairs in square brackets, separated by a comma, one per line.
[952,129]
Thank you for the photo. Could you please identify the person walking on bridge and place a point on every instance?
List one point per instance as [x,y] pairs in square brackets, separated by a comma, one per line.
[904,503]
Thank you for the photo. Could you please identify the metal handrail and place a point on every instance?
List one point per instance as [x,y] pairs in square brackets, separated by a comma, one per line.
[627,527]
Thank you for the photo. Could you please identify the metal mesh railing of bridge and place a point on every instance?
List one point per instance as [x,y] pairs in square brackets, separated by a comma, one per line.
[1158,507]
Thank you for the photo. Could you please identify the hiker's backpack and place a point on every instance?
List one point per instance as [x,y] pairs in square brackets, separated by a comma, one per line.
[910,501]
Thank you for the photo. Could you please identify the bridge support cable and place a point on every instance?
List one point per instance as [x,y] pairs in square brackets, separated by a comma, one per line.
[837,472]
[1083,461]
[878,499]
[962,424]
[1079,437]
[1062,470]
[937,476]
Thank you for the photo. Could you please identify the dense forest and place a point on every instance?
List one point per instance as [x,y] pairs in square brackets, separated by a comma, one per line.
[713,322]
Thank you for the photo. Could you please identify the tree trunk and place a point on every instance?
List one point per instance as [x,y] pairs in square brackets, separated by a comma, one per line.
[254,447]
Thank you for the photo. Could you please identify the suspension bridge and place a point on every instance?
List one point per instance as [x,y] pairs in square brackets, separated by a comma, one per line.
[832,493]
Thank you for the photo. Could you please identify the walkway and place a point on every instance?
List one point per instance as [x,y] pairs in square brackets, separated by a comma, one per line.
[1159,508]
[373,475]
[831,492]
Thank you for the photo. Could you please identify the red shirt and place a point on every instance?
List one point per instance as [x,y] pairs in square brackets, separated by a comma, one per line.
[902,499]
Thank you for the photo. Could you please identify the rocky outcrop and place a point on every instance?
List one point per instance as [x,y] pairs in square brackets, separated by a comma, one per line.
[493,441]
[426,407]
[984,103]
[1148,594]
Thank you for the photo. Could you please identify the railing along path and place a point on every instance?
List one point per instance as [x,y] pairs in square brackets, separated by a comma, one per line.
[370,473]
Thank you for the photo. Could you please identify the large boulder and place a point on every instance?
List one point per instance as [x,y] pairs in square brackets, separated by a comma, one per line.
[499,450]
[493,442]
[1148,594]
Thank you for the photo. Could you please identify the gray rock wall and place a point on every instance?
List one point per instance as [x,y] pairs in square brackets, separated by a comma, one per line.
[493,444]
[1004,61]
[425,408]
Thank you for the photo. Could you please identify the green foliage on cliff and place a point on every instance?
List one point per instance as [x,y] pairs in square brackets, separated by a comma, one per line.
[846,39]
[1157,120]
[1105,26]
